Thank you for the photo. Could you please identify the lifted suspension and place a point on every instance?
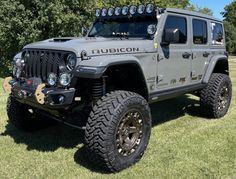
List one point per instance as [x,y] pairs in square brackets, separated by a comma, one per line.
[98,89]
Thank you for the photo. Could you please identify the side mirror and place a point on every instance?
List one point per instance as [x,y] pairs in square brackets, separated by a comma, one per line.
[170,36]
[84,31]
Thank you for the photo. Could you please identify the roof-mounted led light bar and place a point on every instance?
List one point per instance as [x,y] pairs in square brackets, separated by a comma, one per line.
[126,10]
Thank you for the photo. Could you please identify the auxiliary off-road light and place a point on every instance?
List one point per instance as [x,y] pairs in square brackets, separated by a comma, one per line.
[141,9]
[132,10]
[125,10]
[104,12]
[65,79]
[149,8]
[98,12]
[110,11]
[52,79]
[117,11]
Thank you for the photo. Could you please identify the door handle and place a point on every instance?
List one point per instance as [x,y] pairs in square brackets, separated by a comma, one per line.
[186,55]
[206,54]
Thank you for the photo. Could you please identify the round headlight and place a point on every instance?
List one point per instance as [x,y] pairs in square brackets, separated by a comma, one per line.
[98,12]
[150,8]
[71,61]
[52,79]
[104,12]
[125,10]
[65,79]
[117,11]
[141,9]
[132,10]
[110,11]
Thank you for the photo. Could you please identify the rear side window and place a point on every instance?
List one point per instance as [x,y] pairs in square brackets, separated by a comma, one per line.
[179,23]
[199,31]
[217,34]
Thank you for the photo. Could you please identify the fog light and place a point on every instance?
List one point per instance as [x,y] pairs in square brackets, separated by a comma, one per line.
[64,79]
[61,99]
[52,79]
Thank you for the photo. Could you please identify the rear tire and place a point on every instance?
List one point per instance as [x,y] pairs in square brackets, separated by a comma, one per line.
[118,130]
[24,118]
[215,98]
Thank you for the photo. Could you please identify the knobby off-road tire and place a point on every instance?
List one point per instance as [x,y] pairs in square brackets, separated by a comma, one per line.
[118,130]
[20,117]
[215,98]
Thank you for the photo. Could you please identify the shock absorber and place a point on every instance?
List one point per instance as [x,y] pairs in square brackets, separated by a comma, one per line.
[98,89]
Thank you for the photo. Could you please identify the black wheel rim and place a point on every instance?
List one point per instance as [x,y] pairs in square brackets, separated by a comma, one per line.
[129,133]
[223,98]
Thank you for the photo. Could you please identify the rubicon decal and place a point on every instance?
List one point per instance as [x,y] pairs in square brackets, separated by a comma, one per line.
[115,50]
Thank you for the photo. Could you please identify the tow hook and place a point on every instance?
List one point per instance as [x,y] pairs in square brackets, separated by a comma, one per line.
[40,96]
[6,86]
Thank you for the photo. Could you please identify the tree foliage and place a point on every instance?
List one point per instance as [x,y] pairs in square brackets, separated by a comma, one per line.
[229,15]
[196,8]
[26,21]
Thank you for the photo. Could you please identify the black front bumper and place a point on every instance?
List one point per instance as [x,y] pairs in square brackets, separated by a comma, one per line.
[27,94]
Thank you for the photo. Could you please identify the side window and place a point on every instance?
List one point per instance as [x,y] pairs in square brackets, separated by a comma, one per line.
[177,23]
[217,34]
[199,31]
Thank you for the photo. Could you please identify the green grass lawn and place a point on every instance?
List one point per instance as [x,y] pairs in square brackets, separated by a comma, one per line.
[182,145]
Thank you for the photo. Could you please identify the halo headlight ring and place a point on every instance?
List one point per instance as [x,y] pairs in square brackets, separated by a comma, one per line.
[71,61]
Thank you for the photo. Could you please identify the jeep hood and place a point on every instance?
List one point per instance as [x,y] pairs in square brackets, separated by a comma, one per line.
[96,46]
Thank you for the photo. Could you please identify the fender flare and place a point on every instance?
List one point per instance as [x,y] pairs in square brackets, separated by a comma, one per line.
[96,72]
[211,66]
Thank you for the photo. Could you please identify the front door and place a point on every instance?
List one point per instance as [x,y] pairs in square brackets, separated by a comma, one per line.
[174,61]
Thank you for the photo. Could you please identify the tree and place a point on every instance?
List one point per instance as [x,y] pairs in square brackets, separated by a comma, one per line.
[230,26]
[204,10]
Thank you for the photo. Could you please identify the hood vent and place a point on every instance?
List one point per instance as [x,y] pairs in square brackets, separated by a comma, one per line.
[60,39]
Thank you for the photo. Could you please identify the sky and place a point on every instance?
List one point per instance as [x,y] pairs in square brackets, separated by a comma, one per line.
[216,6]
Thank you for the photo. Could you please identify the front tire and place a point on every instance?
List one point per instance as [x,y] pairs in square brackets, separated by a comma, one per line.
[215,98]
[24,118]
[118,130]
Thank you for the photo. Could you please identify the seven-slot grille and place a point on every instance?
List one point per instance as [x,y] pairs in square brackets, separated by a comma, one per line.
[39,63]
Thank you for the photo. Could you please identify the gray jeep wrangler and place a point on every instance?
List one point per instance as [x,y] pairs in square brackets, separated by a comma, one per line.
[103,83]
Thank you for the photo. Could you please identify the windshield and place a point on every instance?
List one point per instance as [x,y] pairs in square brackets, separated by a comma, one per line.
[122,28]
